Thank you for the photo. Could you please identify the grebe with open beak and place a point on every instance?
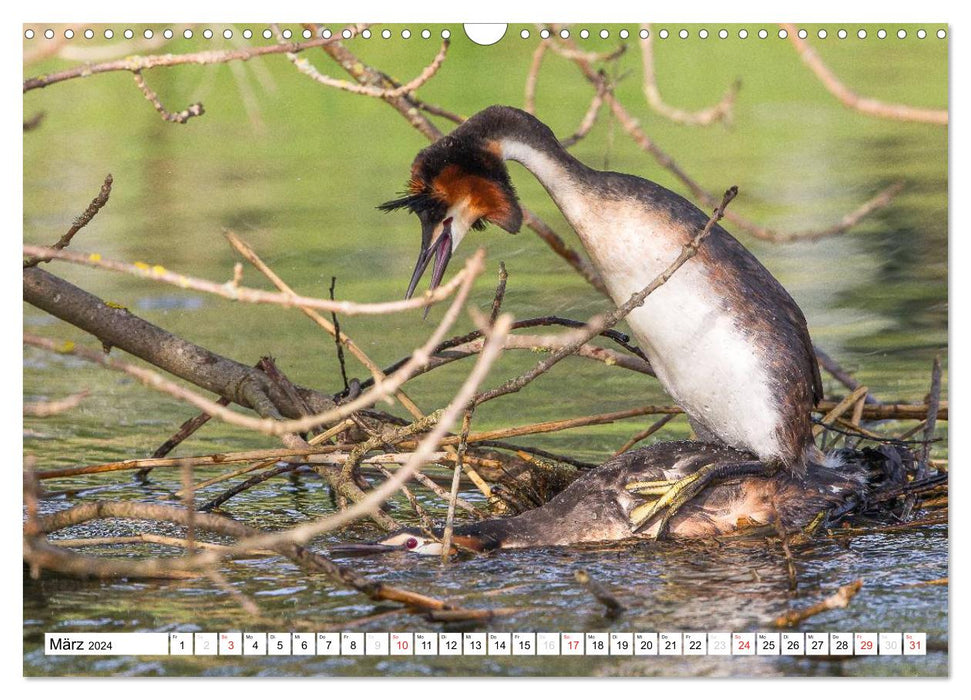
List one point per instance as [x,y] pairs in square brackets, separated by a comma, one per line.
[723,337]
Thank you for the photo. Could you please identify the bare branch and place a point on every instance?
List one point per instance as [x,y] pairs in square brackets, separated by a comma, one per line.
[202,58]
[194,110]
[532,76]
[376,497]
[245,294]
[849,98]
[840,599]
[408,108]
[305,67]
[719,112]
[632,127]
[99,201]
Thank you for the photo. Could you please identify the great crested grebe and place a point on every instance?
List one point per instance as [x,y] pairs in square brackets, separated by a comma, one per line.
[598,508]
[724,338]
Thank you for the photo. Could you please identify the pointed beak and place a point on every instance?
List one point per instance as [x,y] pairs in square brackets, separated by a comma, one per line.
[359,550]
[440,250]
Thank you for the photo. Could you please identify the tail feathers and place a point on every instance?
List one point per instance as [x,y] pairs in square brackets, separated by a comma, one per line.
[847,478]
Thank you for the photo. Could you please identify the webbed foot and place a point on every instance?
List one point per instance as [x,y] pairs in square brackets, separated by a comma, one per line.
[669,496]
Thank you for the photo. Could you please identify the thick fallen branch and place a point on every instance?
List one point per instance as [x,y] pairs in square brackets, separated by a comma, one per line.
[117,327]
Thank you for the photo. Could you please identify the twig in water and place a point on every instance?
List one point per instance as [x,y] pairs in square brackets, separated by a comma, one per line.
[590,118]
[840,599]
[614,608]
[265,475]
[456,474]
[99,201]
[185,430]
[337,338]
[787,553]
[35,121]
[273,425]
[44,409]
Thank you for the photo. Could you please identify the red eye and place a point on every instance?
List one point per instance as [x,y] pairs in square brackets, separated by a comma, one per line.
[411,543]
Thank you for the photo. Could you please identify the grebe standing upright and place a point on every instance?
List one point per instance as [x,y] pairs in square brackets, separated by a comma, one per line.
[723,336]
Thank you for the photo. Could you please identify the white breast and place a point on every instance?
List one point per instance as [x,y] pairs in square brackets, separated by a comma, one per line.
[700,356]
[703,360]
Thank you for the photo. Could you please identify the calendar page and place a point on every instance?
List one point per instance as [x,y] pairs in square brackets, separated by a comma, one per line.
[424,349]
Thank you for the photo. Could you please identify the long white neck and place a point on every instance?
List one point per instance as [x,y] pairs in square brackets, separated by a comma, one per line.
[560,173]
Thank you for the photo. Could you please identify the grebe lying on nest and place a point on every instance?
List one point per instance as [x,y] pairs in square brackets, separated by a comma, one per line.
[602,505]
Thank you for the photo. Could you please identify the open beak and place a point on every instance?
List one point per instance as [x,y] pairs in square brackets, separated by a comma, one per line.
[440,250]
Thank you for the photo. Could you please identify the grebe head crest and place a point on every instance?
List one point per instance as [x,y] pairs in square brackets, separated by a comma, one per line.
[458,183]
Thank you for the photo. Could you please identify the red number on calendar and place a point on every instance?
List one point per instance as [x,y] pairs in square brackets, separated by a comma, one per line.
[744,644]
